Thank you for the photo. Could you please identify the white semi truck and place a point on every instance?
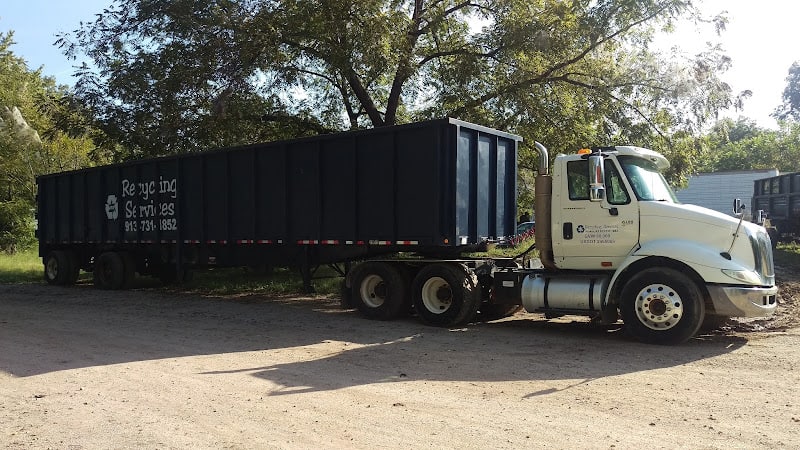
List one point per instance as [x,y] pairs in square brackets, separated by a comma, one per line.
[613,241]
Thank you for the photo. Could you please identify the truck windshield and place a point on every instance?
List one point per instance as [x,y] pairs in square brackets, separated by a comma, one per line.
[647,182]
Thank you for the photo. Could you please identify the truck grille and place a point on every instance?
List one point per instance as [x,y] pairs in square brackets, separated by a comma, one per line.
[762,252]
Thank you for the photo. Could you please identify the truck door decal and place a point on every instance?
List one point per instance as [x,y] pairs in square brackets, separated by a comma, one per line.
[598,234]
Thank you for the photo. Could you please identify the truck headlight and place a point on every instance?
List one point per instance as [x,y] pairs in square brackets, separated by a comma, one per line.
[746,276]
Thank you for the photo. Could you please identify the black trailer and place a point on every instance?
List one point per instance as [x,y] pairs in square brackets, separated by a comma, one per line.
[778,200]
[435,188]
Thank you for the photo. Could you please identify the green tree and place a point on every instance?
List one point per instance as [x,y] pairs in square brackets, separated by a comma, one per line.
[790,108]
[176,76]
[31,143]
[742,145]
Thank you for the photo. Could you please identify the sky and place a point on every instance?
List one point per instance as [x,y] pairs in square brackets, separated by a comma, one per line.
[761,38]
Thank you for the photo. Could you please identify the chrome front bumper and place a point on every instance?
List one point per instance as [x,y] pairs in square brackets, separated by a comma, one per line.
[740,301]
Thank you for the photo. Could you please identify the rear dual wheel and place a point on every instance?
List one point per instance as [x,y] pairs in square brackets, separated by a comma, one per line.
[60,267]
[114,270]
[446,294]
[380,290]
[443,294]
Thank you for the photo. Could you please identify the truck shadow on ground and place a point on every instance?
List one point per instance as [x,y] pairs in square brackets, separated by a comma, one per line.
[491,352]
[45,329]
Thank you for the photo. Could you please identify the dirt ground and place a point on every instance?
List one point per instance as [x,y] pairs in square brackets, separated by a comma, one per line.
[83,369]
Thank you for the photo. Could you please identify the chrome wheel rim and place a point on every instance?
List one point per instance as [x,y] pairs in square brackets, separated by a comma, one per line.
[659,307]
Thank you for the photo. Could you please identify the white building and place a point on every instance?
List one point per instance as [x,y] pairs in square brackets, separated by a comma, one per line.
[717,190]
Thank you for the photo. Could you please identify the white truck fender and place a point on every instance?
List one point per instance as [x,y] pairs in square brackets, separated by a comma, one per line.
[692,254]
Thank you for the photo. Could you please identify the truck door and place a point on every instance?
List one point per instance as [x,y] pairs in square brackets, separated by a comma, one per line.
[593,235]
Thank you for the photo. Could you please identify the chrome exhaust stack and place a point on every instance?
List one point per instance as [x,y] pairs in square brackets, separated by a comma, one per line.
[542,203]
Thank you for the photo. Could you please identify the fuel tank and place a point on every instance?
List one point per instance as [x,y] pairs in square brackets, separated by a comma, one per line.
[575,292]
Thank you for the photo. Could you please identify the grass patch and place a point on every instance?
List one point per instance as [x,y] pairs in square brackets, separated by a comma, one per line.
[26,267]
[787,254]
[21,267]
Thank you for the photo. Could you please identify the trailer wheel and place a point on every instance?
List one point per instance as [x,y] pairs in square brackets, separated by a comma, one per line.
[379,290]
[75,267]
[129,269]
[662,306]
[109,271]
[446,294]
[57,268]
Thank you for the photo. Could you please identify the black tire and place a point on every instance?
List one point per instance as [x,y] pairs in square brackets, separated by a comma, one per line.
[109,271]
[491,311]
[75,267]
[446,295]
[57,268]
[662,306]
[379,290]
[129,269]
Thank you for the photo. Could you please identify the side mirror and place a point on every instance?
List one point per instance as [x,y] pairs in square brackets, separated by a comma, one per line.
[597,178]
[738,207]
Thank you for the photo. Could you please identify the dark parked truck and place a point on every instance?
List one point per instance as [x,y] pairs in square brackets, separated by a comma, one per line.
[408,203]
[776,203]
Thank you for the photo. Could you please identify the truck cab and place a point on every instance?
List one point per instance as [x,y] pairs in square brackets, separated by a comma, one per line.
[601,233]
[619,241]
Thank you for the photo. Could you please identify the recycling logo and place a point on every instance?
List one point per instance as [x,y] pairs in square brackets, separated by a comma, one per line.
[112,208]
[581,229]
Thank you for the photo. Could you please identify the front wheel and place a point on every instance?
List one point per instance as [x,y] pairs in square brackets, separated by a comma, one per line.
[662,306]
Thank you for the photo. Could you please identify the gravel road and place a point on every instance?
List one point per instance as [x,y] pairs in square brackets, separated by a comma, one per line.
[82,368]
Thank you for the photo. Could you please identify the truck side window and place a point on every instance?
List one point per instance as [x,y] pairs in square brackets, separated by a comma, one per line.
[578,179]
[615,189]
[578,182]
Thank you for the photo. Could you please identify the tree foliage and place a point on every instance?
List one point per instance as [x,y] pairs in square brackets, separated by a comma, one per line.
[742,145]
[184,75]
[790,108]
[31,143]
